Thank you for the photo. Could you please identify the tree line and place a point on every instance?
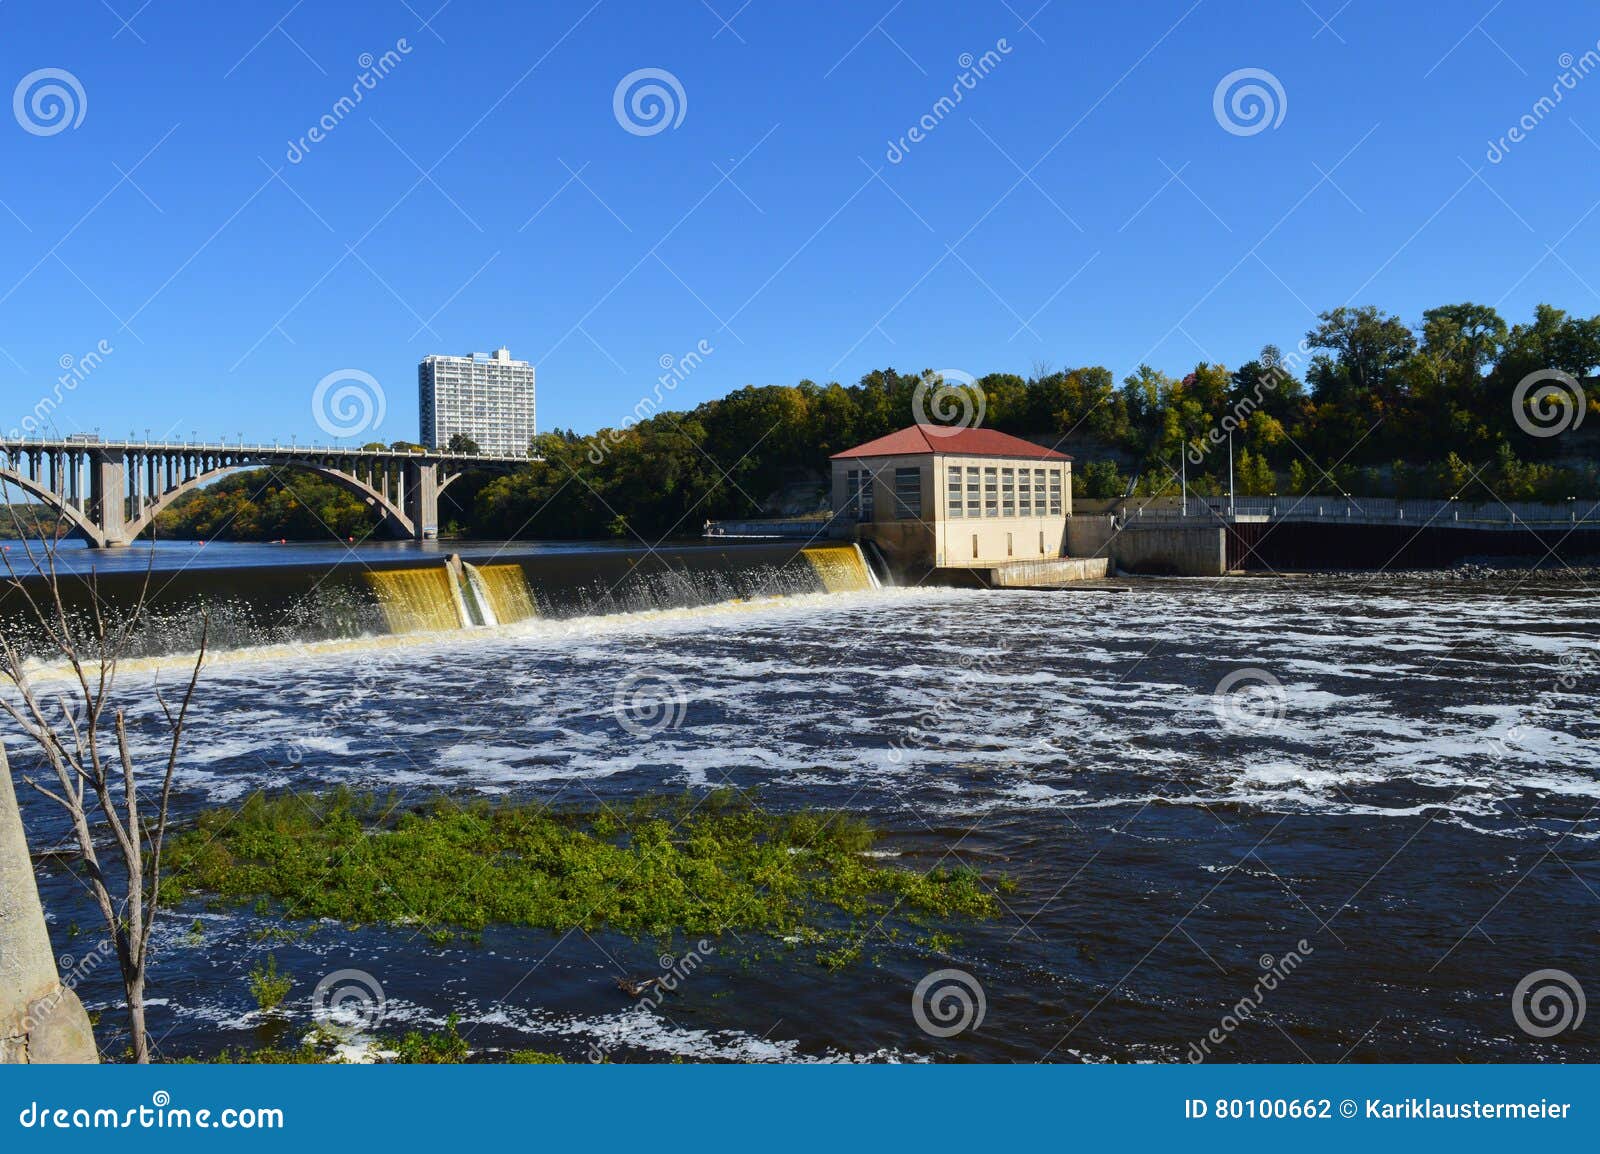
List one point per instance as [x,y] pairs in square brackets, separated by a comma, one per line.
[1365,404]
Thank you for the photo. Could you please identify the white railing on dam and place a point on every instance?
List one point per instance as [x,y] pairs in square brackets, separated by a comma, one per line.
[1367,511]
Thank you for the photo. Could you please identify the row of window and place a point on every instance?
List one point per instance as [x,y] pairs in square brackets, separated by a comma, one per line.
[992,491]
[907,494]
[971,491]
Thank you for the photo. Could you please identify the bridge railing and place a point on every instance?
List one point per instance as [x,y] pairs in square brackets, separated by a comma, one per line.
[1371,511]
[54,444]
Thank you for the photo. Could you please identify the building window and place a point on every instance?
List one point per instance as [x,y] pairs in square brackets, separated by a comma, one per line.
[991,492]
[1010,551]
[974,497]
[1008,492]
[953,492]
[1024,492]
[1041,542]
[1055,492]
[907,493]
[974,546]
[861,494]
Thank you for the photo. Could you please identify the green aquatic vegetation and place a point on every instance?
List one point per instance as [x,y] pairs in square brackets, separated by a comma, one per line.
[534,1058]
[306,1054]
[267,985]
[660,867]
[429,1048]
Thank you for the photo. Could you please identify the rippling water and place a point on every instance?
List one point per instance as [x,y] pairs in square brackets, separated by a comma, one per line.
[1414,801]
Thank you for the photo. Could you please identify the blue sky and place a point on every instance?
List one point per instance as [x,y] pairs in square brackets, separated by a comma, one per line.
[1083,203]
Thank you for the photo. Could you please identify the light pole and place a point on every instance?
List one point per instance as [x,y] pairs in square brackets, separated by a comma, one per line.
[1230,473]
[1183,473]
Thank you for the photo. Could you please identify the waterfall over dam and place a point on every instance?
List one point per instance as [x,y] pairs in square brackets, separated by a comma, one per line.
[256,605]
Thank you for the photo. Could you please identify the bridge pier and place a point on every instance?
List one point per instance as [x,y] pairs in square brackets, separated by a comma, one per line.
[422,500]
[108,482]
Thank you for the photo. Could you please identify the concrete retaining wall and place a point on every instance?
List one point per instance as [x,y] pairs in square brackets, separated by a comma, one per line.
[41,1020]
[1177,550]
[1054,571]
[1090,536]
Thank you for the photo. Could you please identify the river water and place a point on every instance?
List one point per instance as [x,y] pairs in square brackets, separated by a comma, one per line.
[1392,814]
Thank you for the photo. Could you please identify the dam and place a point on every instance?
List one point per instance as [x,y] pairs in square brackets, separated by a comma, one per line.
[393,594]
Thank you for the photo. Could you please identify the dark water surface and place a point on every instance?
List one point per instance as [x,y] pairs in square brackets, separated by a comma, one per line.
[73,556]
[1412,796]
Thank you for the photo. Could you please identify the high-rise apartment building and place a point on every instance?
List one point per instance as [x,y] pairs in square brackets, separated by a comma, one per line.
[485,396]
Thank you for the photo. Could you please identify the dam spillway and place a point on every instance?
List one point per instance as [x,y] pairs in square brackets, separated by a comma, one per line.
[252,605]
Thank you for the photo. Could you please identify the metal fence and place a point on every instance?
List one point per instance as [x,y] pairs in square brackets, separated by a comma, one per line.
[1371,511]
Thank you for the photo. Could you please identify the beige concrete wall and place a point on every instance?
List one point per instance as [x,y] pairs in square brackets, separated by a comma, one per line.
[947,540]
[1051,571]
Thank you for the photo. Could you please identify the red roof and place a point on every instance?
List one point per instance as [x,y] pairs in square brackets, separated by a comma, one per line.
[956,441]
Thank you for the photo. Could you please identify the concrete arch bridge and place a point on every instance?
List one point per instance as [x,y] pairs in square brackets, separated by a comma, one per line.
[111,491]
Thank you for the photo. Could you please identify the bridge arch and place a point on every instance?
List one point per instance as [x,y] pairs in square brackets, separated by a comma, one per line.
[82,524]
[394,517]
